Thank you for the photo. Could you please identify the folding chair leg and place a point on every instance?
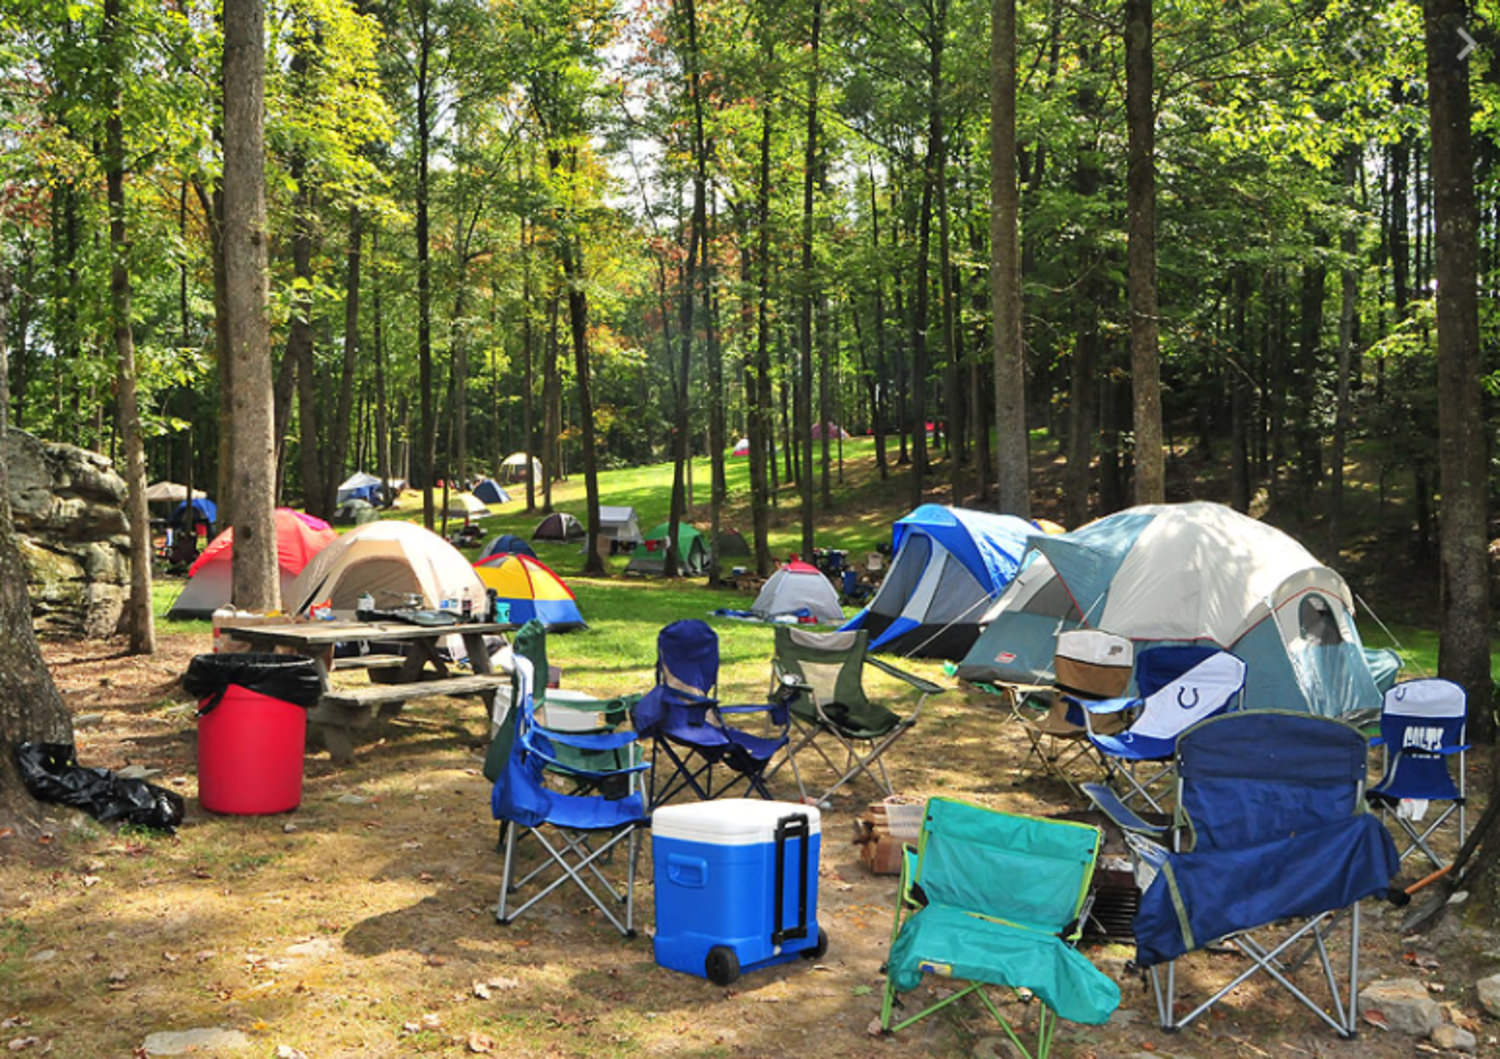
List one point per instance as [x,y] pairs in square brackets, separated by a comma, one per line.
[568,870]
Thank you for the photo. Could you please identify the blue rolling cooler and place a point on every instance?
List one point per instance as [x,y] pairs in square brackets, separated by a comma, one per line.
[736,886]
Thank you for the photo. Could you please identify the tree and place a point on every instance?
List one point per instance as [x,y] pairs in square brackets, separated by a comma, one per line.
[1145,370]
[257,585]
[30,707]
[1005,267]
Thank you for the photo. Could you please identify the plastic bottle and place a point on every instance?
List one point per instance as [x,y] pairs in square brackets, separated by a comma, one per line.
[364,606]
[489,605]
[466,605]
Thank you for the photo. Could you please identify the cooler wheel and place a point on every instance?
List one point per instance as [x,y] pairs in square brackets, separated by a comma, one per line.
[721,965]
[820,949]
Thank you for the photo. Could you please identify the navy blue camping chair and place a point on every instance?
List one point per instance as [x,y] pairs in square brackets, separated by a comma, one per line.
[1270,825]
[1176,687]
[685,723]
[1421,730]
[577,831]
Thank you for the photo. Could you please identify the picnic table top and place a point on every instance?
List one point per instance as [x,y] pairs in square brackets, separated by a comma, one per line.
[323,633]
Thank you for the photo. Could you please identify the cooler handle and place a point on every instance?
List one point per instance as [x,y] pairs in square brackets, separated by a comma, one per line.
[793,825]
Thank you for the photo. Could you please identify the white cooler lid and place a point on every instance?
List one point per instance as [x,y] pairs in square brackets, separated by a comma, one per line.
[728,821]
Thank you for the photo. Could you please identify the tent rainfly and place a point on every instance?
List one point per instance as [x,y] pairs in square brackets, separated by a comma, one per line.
[558,526]
[532,590]
[950,564]
[165,492]
[619,523]
[741,447]
[491,492]
[797,586]
[210,578]
[692,551]
[390,559]
[362,485]
[466,506]
[1195,573]
[513,469]
[507,543]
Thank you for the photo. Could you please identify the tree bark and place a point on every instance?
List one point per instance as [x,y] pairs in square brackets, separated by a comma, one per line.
[1348,314]
[428,450]
[1140,190]
[1011,458]
[252,482]
[1463,652]
[333,473]
[762,425]
[805,282]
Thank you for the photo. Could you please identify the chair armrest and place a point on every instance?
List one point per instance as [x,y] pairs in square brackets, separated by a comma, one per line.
[922,684]
[1377,740]
[1104,705]
[1109,803]
[748,707]
[1455,749]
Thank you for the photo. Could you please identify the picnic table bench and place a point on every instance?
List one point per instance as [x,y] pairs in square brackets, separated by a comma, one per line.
[396,679]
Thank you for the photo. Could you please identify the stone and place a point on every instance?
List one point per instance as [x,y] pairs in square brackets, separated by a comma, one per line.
[1489,994]
[1451,1038]
[212,1040]
[1405,1003]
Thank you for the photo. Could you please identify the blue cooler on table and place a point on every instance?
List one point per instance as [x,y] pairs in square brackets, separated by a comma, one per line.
[736,886]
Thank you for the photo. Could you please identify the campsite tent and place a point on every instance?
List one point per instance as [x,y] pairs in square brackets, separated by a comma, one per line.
[692,551]
[466,506]
[1198,572]
[312,521]
[164,492]
[354,512]
[831,430]
[619,524]
[390,559]
[532,590]
[950,565]
[558,526]
[507,544]
[362,485]
[491,492]
[205,510]
[797,586]
[732,544]
[513,469]
[211,575]
[741,447]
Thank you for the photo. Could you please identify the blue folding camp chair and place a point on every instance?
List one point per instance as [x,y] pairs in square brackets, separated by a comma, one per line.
[577,831]
[998,899]
[1421,729]
[1176,687]
[1270,825]
[685,723]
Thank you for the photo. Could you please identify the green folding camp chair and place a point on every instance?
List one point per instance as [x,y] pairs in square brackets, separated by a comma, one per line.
[831,707]
[998,899]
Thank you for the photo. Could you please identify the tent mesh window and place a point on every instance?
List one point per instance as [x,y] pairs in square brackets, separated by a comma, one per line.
[1317,621]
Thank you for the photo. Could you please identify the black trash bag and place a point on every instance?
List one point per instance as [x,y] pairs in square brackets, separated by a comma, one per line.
[290,678]
[52,775]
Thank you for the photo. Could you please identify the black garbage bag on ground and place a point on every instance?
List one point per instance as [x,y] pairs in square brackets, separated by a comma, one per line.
[290,678]
[52,775]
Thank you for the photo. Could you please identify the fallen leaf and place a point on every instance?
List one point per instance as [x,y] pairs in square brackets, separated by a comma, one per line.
[1376,1017]
[17,1044]
[170,957]
[411,844]
[481,1043]
[860,990]
[435,961]
[481,990]
[425,876]
[90,880]
[873,1027]
[6,832]
[286,1051]
[503,983]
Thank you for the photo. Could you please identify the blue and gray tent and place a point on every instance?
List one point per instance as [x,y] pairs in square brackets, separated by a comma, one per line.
[950,564]
[1189,573]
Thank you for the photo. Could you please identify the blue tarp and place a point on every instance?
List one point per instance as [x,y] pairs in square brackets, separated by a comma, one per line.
[205,508]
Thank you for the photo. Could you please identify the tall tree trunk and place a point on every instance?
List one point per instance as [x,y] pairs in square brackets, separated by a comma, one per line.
[551,404]
[1011,459]
[1348,313]
[333,473]
[1464,650]
[805,283]
[382,405]
[428,445]
[878,387]
[1239,394]
[1145,370]
[299,342]
[528,360]
[762,423]
[718,485]
[138,609]
[256,582]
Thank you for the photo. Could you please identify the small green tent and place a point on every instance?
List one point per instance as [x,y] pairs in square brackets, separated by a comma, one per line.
[692,551]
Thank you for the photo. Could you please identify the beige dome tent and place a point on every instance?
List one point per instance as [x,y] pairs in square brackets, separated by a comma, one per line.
[513,469]
[391,560]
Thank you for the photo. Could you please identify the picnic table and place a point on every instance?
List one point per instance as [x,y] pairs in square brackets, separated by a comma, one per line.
[395,678]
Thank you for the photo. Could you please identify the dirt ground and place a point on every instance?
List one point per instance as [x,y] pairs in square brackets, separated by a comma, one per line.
[362,923]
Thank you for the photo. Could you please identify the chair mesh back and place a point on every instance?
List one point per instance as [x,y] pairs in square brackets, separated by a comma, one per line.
[1263,775]
[1026,870]
[832,662]
[687,657]
[1208,686]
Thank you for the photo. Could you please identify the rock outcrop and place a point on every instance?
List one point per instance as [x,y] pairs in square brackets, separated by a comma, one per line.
[67,506]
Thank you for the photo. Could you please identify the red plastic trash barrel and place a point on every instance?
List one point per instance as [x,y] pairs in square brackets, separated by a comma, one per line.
[252,730]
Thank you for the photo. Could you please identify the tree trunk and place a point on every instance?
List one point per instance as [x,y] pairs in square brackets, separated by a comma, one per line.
[878,388]
[1145,371]
[1463,652]
[1348,313]
[1239,394]
[256,582]
[382,405]
[805,282]
[762,423]
[428,447]
[139,619]
[1011,460]
[333,473]
[299,341]
[528,361]
[718,486]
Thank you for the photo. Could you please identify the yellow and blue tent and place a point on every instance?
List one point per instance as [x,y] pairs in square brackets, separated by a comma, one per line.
[532,590]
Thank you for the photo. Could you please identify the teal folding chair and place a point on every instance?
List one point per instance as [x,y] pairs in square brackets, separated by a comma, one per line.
[997,899]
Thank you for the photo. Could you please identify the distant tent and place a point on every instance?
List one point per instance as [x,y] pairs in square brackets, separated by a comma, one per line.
[466,506]
[619,523]
[391,559]
[205,510]
[532,590]
[832,430]
[507,544]
[313,521]
[1195,572]
[362,485]
[798,586]
[692,551]
[210,578]
[513,469]
[164,492]
[741,447]
[354,512]
[950,564]
[732,543]
[558,526]
[491,492]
